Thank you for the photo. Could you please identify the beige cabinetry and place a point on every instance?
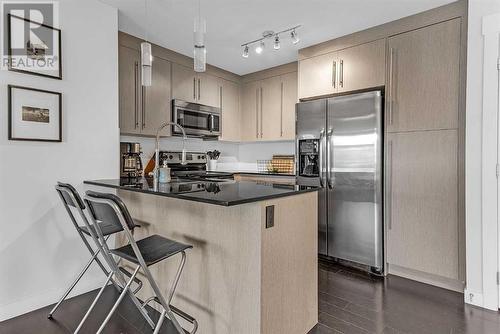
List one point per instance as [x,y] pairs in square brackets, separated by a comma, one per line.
[274,179]
[195,87]
[362,66]
[318,75]
[268,108]
[422,202]
[250,106]
[423,78]
[289,99]
[143,109]
[230,108]
[354,68]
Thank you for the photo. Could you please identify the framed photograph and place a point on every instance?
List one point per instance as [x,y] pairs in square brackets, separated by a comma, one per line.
[37,54]
[34,114]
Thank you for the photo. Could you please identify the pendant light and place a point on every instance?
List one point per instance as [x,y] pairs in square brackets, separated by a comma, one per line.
[199,52]
[146,55]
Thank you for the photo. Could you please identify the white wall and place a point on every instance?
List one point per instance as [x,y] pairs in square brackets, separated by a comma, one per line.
[40,252]
[477,9]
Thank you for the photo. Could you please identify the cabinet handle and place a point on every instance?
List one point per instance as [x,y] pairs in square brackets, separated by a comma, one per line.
[281,114]
[136,75]
[341,81]
[257,113]
[389,186]
[261,114]
[391,79]
[334,74]
[220,96]
[199,89]
[143,99]
[194,88]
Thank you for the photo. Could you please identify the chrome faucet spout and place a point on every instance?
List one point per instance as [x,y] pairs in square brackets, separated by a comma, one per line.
[156,171]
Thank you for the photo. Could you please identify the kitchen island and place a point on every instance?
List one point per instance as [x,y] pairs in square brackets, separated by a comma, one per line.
[253,268]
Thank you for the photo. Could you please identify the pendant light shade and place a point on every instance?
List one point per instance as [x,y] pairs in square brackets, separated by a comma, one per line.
[200,52]
[146,63]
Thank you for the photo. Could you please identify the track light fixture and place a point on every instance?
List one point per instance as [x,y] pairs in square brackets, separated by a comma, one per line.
[295,37]
[245,52]
[277,42]
[268,34]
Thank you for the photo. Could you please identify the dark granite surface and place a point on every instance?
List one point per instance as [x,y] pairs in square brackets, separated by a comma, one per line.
[226,193]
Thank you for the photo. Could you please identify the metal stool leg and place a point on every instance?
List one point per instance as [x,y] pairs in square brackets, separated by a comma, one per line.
[122,295]
[93,303]
[71,287]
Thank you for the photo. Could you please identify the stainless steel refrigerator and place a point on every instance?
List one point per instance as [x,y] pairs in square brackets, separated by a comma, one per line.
[339,147]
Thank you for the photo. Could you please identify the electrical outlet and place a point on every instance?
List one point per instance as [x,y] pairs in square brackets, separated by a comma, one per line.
[269,216]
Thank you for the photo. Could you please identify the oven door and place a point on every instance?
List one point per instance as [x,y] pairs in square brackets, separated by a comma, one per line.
[196,122]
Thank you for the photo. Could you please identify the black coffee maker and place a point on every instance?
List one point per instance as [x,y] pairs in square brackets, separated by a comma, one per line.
[130,160]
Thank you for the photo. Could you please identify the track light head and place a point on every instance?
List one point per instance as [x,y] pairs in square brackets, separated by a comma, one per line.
[260,47]
[295,37]
[245,52]
[277,42]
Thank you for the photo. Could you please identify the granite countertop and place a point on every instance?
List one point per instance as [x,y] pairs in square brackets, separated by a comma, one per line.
[226,193]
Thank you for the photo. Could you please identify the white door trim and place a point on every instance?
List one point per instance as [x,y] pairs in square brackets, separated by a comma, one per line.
[490,155]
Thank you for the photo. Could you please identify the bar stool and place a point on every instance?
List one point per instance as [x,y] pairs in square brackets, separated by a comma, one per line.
[71,199]
[109,209]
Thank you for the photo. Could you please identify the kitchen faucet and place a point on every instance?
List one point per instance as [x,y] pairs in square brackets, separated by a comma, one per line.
[156,171]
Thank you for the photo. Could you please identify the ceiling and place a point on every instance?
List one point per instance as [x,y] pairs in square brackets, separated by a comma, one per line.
[231,23]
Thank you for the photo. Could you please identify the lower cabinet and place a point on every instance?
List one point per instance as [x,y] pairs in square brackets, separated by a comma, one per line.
[422,203]
[274,179]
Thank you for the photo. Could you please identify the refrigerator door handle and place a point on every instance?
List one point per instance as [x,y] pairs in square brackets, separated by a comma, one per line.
[321,157]
[329,159]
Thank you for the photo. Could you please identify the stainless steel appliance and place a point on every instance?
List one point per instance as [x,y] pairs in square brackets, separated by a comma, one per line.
[130,160]
[339,146]
[195,168]
[198,120]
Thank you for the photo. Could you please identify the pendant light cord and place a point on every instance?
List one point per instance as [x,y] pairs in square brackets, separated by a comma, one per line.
[146,20]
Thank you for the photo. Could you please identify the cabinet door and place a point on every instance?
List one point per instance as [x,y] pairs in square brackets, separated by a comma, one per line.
[208,90]
[250,102]
[230,106]
[157,103]
[270,108]
[422,199]
[318,75]
[185,83]
[129,86]
[362,66]
[289,99]
[423,79]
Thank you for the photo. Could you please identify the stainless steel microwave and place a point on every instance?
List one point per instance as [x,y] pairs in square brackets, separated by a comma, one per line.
[198,120]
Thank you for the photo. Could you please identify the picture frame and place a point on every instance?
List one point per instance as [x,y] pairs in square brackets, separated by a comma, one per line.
[34,114]
[34,52]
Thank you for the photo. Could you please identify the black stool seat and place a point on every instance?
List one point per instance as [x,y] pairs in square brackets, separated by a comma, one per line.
[106,228]
[153,249]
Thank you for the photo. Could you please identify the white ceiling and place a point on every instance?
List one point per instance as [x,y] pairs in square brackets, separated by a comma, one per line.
[231,23]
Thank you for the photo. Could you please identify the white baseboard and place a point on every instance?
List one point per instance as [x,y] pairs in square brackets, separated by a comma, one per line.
[473,298]
[45,298]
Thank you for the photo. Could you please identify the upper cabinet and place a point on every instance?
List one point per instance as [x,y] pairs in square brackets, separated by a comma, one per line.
[317,75]
[361,66]
[195,87]
[423,78]
[289,99]
[143,109]
[230,108]
[268,108]
[354,68]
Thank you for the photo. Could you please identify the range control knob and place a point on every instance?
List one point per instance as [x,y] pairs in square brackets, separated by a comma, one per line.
[170,157]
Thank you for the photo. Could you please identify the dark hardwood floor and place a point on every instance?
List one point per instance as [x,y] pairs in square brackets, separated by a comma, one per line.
[350,302]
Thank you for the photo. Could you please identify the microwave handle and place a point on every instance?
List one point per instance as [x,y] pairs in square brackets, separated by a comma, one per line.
[212,125]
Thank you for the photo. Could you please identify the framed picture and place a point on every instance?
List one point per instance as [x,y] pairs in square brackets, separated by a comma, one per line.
[37,54]
[34,114]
